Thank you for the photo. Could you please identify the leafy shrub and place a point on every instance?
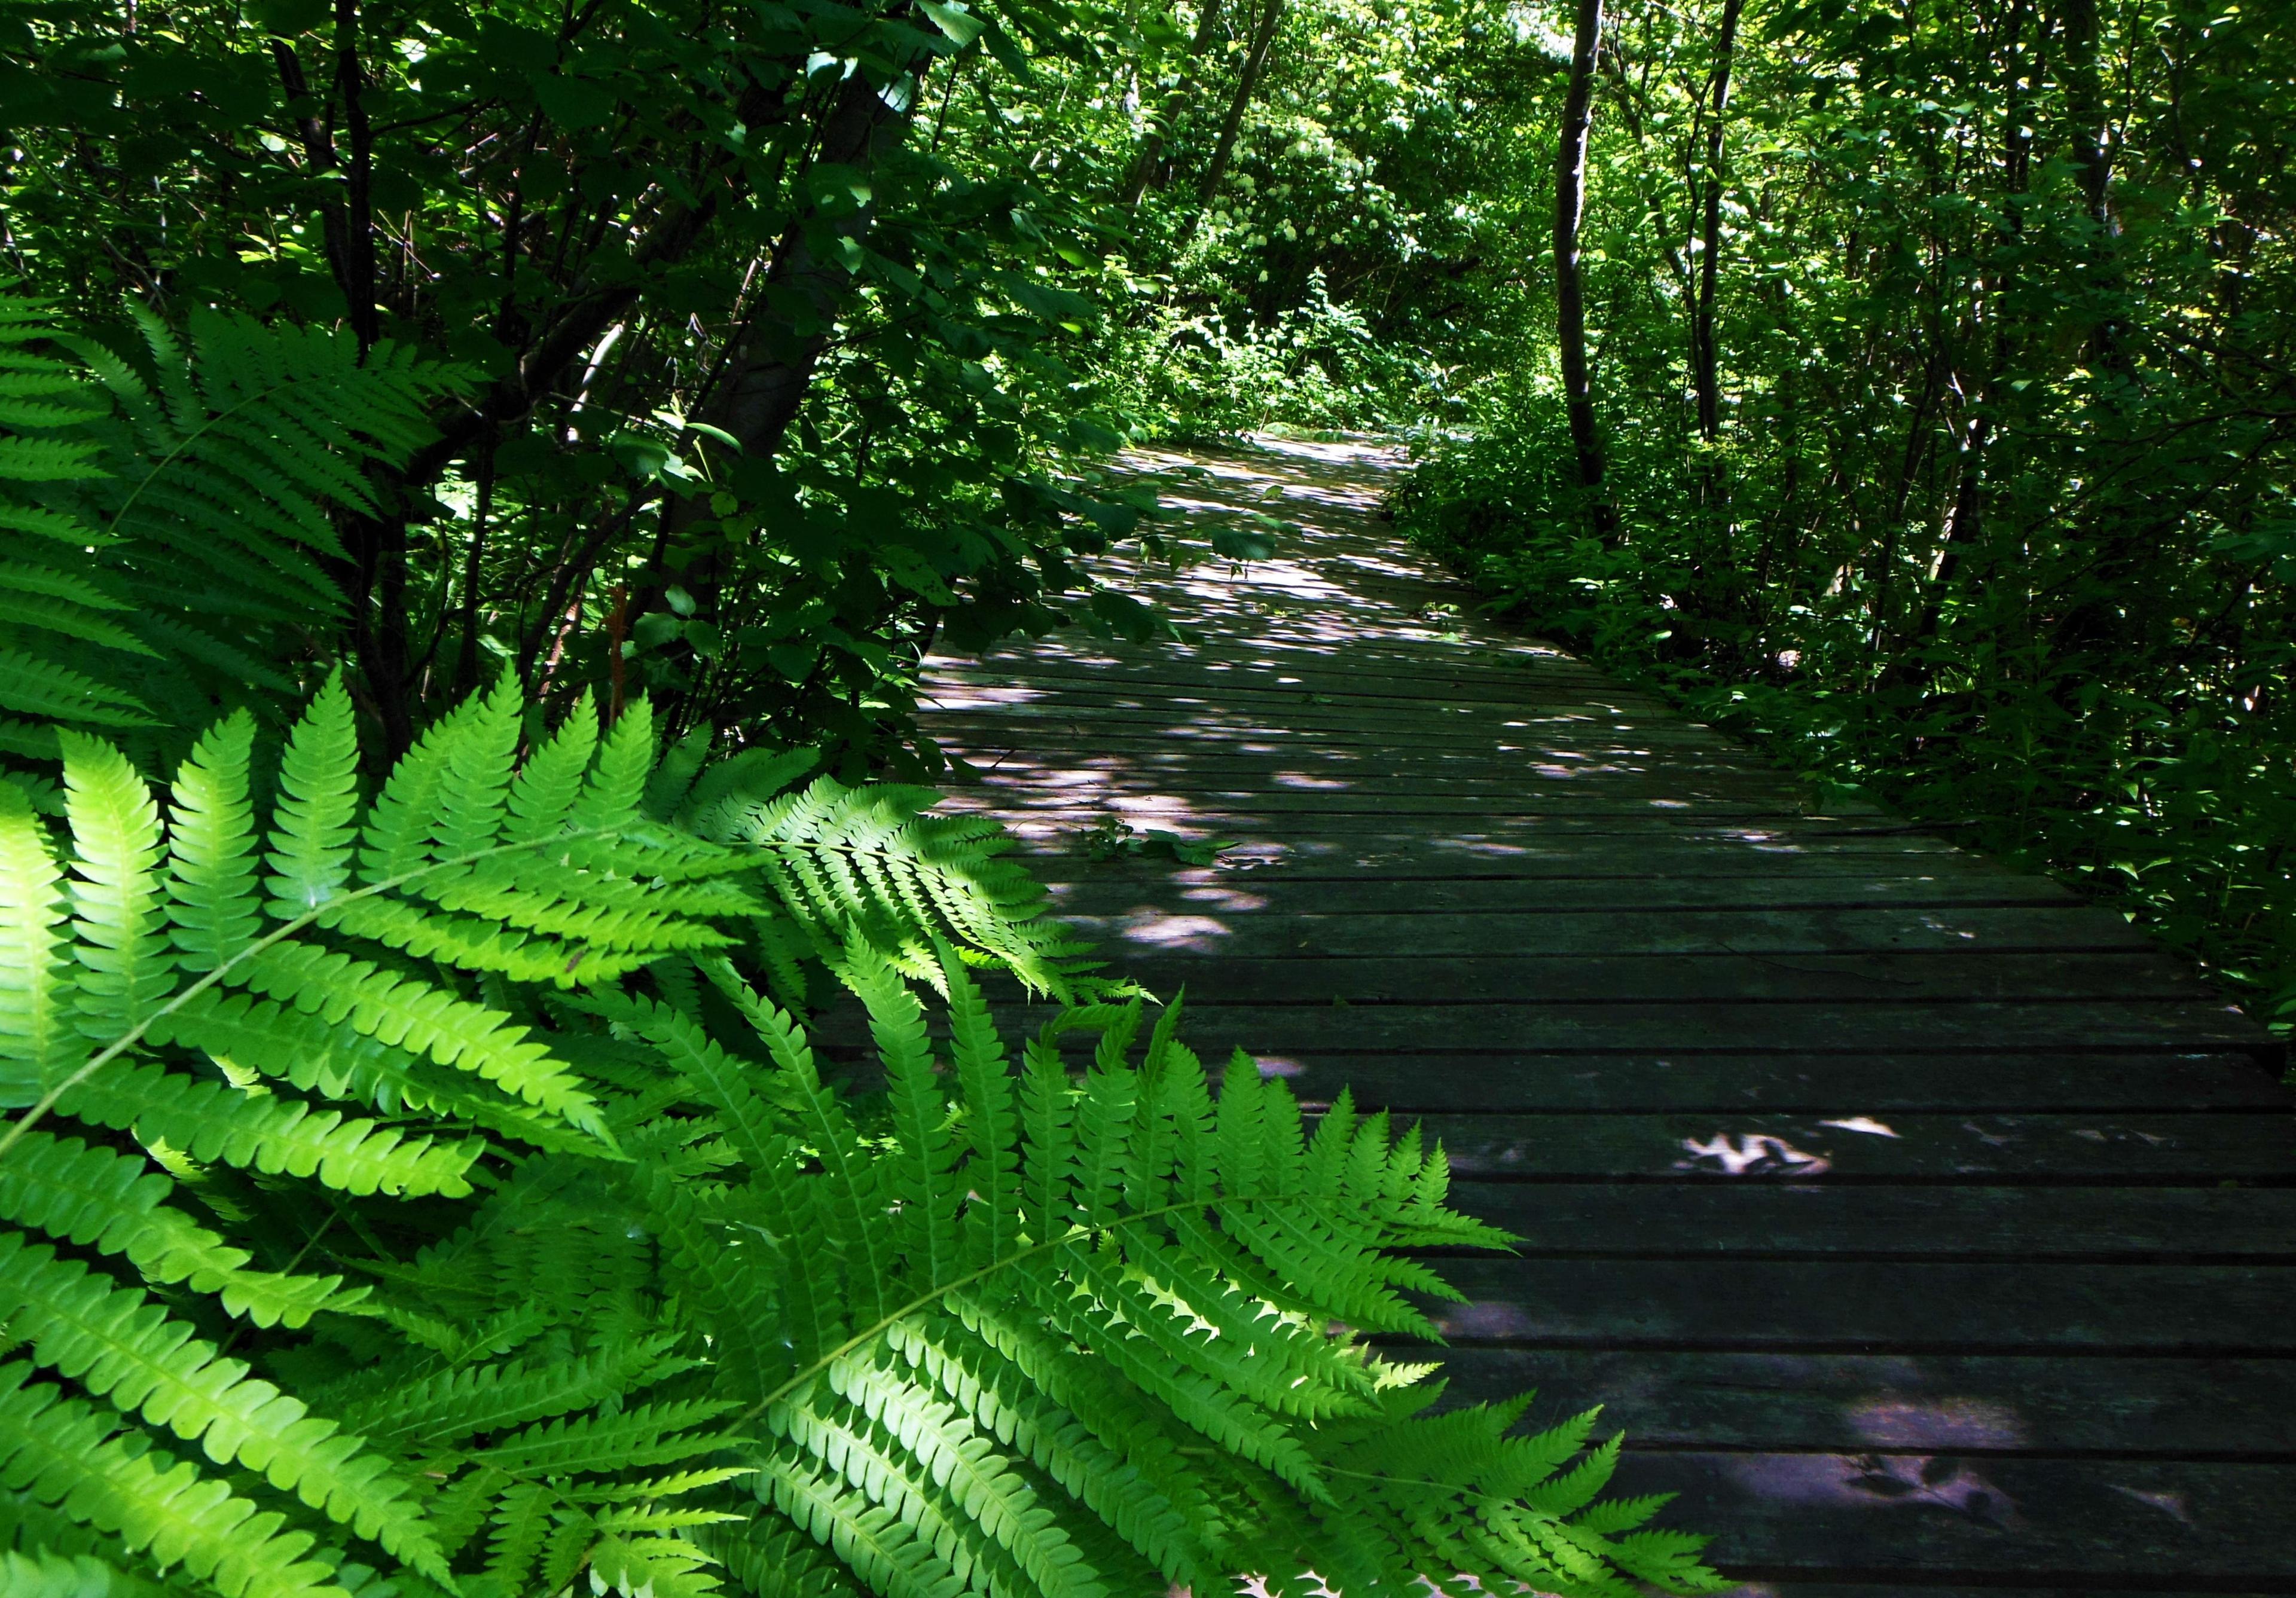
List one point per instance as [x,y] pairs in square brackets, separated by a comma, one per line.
[1185,374]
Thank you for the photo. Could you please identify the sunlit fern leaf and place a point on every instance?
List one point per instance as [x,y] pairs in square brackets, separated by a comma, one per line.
[874,1541]
[211,849]
[38,1041]
[542,796]
[408,1013]
[1006,1404]
[338,1063]
[113,1202]
[115,888]
[61,1451]
[312,826]
[870,857]
[769,1557]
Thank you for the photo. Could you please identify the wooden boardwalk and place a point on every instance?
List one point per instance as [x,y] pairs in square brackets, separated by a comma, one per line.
[1926,1229]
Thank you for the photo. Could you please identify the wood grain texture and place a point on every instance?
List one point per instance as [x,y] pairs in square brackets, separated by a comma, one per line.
[1925,1227]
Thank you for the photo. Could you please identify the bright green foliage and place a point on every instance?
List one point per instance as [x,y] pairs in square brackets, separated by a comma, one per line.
[455,1204]
[870,862]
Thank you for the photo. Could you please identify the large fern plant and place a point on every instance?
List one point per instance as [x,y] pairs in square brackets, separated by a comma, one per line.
[427,1186]
[431,1189]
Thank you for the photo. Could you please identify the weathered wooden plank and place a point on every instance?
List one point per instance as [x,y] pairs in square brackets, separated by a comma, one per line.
[1190,749]
[1876,1305]
[1338,769]
[1278,790]
[1859,1147]
[1559,855]
[1688,931]
[1948,975]
[1465,834]
[1564,726]
[1850,1080]
[1874,1518]
[1882,1024]
[1247,664]
[1110,891]
[2220,1223]
[1338,681]
[1962,1405]
[1568,734]
[1212,804]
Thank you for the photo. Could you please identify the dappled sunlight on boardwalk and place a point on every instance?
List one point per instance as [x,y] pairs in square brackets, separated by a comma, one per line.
[1923,1225]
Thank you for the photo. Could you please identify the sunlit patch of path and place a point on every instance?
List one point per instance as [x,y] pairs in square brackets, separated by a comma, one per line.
[1925,1227]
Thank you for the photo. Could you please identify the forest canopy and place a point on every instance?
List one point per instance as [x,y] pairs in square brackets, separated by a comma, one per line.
[1932,359]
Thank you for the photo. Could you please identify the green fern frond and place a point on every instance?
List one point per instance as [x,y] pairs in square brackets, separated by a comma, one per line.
[163,532]
[1004,1401]
[115,890]
[311,843]
[406,1012]
[653,1434]
[61,1451]
[118,1345]
[212,879]
[114,1202]
[457,1404]
[215,1123]
[870,858]
[47,1575]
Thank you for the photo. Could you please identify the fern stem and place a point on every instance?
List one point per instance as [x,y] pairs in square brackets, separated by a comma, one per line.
[926,1300]
[112,521]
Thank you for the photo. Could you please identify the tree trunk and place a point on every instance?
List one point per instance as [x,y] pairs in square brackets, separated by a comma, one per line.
[2083,85]
[769,369]
[763,384]
[1161,125]
[1238,102]
[1570,291]
[1715,581]
[1704,363]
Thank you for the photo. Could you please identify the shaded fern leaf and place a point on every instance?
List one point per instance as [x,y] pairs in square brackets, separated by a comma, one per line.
[164,530]
[1129,1378]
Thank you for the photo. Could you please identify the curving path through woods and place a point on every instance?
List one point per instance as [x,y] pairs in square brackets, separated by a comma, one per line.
[1925,1228]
